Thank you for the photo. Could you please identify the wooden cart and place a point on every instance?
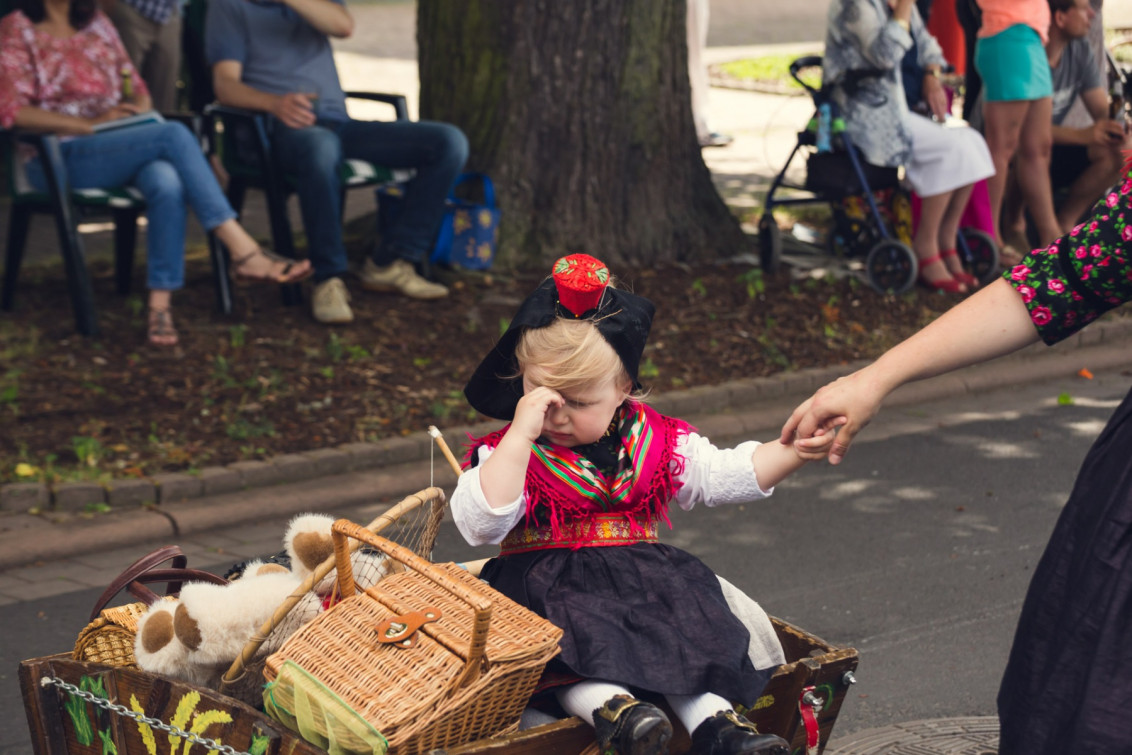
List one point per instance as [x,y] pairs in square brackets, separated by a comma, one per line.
[77,708]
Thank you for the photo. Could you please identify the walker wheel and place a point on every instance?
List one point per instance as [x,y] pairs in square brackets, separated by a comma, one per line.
[891,267]
[770,244]
[982,261]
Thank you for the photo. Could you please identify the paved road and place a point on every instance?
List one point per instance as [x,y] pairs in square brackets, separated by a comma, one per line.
[917,550]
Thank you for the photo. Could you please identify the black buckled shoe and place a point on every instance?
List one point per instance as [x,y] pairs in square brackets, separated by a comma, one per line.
[632,727]
[728,733]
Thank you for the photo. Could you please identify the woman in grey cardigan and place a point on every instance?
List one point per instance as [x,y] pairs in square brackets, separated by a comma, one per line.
[866,40]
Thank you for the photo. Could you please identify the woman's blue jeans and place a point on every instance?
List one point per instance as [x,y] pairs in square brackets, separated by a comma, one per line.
[311,156]
[165,163]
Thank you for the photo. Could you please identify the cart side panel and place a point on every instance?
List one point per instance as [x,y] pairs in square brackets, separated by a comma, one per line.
[776,710]
[831,686]
[47,734]
[62,724]
[77,720]
[811,662]
[570,735]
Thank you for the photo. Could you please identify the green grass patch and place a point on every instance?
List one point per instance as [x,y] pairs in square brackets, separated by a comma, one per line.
[771,68]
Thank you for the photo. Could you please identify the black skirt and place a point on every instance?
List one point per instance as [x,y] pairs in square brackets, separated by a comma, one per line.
[648,616]
[1068,684]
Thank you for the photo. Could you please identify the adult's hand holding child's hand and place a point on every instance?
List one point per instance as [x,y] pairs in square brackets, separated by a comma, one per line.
[817,446]
[845,405]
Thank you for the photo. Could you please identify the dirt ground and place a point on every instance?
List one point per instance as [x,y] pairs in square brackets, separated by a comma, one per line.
[269,380]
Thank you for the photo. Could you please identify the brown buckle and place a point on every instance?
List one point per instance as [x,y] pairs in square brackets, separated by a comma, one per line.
[401,631]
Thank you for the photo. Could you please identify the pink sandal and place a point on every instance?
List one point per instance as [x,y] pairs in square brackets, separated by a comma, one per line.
[946,285]
[962,276]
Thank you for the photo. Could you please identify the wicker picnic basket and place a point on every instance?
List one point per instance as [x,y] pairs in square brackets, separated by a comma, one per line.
[465,676]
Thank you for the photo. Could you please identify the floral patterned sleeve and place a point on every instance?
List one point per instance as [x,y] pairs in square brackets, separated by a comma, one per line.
[1083,274]
[16,84]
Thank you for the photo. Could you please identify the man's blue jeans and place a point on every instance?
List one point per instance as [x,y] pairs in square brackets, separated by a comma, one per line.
[311,156]
[165,163]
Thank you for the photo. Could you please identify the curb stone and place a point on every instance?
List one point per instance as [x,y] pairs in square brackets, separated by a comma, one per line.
[365,472]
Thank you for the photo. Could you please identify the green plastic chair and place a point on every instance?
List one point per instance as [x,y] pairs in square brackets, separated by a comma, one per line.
[242,143]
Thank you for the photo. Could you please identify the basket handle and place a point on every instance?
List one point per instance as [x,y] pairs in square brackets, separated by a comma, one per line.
[138,589]
[481,606]
[136,569]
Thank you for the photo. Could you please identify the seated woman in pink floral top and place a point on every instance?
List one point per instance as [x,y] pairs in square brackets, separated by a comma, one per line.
[61,69]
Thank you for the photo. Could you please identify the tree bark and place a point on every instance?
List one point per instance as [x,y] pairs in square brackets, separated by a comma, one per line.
[580,112]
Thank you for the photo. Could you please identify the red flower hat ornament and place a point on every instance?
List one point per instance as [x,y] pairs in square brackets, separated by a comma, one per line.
[580,280]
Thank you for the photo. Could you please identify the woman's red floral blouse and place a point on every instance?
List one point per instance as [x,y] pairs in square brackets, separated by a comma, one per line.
[79,76]
[1083,274]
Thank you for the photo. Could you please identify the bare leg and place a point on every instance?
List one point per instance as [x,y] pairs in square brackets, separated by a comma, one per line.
[926,241]
[949,224]
[1032,166]
[949,232]
[1103,172]
[1013,215]
[1003,128]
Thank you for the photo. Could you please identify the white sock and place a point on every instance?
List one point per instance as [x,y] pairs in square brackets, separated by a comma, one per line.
[583,698]
[693,710]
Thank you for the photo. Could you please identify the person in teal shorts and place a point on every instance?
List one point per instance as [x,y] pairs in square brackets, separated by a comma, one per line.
[1017,105]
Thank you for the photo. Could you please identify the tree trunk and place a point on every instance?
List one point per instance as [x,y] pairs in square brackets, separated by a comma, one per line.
[580,112]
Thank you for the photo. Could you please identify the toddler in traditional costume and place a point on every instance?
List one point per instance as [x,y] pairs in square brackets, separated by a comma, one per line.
[574,489]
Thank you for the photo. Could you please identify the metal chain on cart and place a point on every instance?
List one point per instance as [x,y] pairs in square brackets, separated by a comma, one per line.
[156,723]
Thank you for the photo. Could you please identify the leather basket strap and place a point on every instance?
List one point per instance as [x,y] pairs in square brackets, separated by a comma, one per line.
[136,569]
[172,577]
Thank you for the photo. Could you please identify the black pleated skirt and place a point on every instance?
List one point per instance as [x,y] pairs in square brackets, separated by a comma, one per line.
[1068,683]
[648,616]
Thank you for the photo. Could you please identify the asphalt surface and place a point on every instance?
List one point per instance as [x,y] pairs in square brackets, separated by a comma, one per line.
[916,551]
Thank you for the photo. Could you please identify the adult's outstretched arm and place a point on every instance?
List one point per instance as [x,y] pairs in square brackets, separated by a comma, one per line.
[991,323]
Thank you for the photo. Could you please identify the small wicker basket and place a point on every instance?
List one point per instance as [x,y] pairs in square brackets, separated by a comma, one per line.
[468,674]
[109,639]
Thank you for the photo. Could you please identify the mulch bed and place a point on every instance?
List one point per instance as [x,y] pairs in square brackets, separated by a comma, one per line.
[269,380]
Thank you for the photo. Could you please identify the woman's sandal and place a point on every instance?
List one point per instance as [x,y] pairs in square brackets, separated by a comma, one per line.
[946,285]
[962,276]
[161,331]
[292,271]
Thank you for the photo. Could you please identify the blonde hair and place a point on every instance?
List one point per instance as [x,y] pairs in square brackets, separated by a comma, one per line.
[569,354]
